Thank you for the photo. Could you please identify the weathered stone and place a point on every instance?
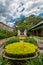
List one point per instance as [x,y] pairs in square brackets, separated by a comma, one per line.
[5,27]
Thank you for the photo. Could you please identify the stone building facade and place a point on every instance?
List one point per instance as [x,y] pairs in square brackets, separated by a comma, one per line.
[5,27]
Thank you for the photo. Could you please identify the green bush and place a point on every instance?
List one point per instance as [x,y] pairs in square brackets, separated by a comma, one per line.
[28,33]
[10,34]
[2,36]
[3,31]
[6,34]
[15,33]
[31,40]
[12,40]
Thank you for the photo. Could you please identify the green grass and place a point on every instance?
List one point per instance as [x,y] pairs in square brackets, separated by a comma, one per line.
[4,62]
[36,61]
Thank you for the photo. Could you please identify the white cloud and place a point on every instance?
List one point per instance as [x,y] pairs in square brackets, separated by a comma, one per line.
[10,24]
[12,9]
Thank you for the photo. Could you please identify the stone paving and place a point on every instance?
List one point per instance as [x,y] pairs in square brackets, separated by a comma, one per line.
[2,41]
[1,46]
[40,44]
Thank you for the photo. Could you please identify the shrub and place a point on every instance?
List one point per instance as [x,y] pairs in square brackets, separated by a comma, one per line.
[2,35]
[3,31]
[20,49]
[12,40]
[28,33]
[5,34]
[10,34]
[31,40]
[15,33]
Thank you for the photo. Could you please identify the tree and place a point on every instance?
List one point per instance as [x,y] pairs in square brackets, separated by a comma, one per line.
[27,22]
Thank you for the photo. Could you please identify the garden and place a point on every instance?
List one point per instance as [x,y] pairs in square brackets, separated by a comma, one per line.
[25,50]
[17,52]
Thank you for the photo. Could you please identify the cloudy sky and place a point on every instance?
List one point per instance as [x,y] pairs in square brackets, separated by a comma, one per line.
[14,10]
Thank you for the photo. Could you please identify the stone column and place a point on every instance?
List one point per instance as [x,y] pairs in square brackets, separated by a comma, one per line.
[25,32]
[18,32]
[41,32]
[37,33]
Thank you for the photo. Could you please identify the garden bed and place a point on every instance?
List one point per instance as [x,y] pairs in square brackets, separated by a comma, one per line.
[20,51]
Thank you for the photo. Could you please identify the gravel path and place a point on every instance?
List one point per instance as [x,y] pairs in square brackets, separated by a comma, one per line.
[2,41]
[40,44]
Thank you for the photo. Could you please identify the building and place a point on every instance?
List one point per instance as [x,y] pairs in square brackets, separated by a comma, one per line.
[37,29]
[5,27]
[22,33]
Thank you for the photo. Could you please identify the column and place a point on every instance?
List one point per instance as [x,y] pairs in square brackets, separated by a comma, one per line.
[18,32]
[37,33]
[41,32]
[25,32]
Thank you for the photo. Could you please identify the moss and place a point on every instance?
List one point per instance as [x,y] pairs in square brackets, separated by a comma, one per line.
[20,49]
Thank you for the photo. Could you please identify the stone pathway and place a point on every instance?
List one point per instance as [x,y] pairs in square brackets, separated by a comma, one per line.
[2,41]
[38,40]
[1,46]
[40,44]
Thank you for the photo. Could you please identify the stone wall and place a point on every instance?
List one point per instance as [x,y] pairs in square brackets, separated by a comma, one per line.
[5,27]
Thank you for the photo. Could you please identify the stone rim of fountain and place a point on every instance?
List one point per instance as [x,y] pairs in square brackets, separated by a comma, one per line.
[10,58]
